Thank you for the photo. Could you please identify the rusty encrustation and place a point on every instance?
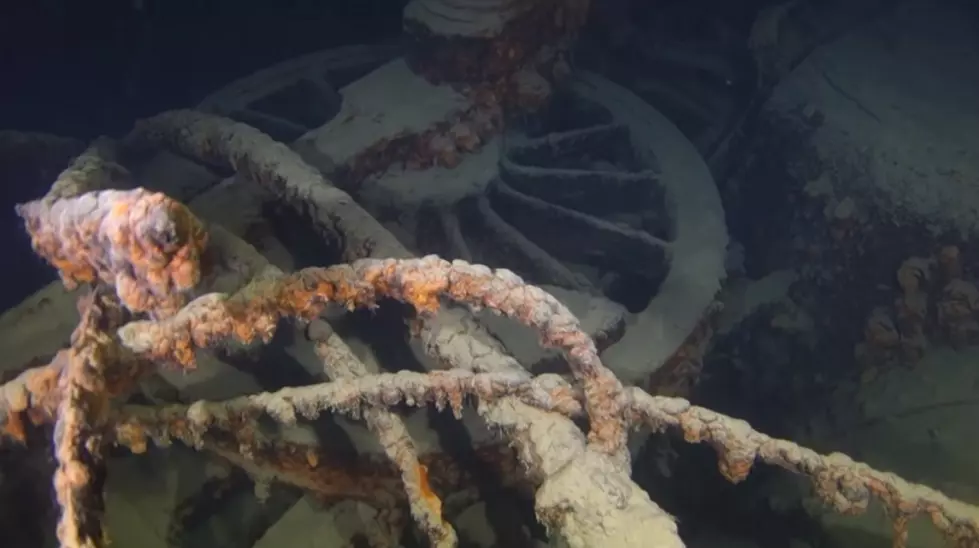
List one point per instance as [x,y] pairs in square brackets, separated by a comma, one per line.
[845,485]
[339,362]
[144,244]
[681,373]
[478,42]
[938,303]
[221,141]
[82,417]
[423,282]
[254,313]
[354,396]
[584,497]
[373,479]
[33,396]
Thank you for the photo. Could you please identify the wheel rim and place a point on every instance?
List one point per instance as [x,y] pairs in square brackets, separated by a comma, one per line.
[698,242]
[558,225]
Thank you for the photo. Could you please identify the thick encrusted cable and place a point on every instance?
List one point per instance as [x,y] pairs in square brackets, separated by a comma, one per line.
[423,282]
[252,154]
[352,397]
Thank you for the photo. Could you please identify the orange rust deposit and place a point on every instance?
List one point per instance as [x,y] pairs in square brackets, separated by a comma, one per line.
[533,28]
[14,427]
[314,467]
[144,244]
[433,500]
[938,302]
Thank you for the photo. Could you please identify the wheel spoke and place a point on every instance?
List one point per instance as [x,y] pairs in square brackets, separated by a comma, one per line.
[577,188]
[565,143]
[580,238]
[526,255]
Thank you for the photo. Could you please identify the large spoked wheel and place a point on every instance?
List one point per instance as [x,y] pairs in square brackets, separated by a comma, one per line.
[600,194]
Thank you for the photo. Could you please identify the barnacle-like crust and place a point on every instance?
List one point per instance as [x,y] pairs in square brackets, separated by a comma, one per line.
[144,244]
